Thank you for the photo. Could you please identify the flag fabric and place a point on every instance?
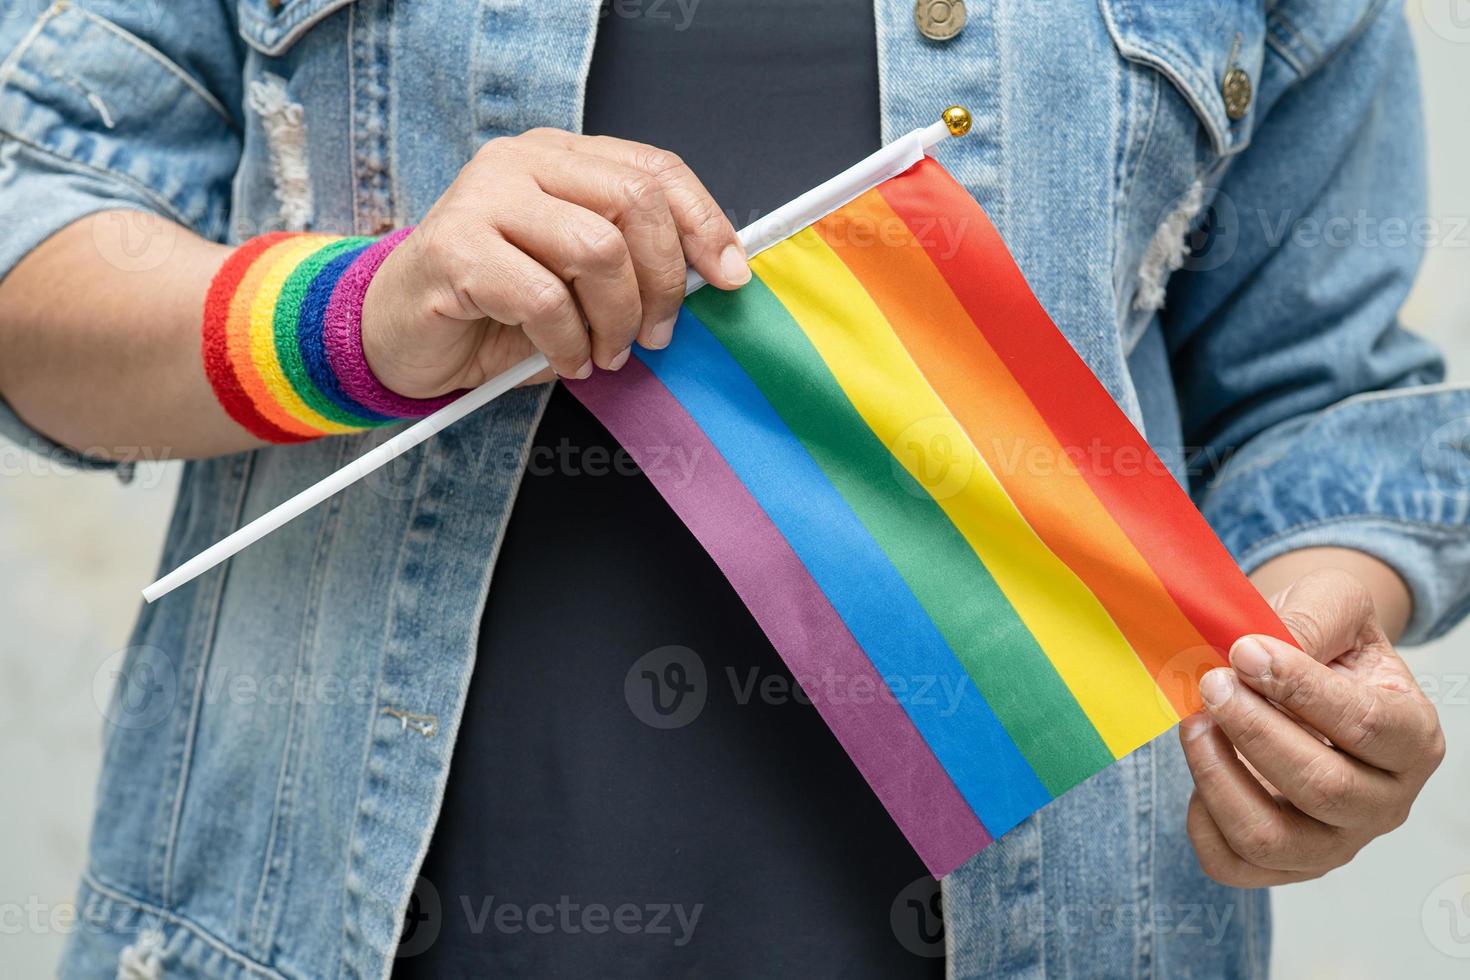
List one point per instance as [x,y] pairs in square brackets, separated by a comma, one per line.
[968,557]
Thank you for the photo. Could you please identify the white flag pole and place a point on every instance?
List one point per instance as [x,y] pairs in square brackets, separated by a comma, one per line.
[760,235]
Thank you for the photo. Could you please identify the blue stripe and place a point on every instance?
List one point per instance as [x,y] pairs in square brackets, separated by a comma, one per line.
[851,568]
[313,346]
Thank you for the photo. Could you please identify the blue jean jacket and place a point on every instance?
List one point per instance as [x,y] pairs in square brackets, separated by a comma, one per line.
[1215,201]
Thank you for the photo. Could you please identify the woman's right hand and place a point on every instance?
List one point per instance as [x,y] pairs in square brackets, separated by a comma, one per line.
[571,245]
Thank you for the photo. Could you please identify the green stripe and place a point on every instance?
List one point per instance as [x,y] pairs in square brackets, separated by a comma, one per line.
[288,313]
[1008,667]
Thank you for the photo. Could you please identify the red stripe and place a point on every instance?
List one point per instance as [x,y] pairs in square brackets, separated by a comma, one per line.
[1150,507]
[217,367]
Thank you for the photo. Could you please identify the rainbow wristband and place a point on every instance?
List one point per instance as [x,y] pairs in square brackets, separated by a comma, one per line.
[283,338]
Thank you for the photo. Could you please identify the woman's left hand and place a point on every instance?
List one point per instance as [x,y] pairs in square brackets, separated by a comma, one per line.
[1302,758]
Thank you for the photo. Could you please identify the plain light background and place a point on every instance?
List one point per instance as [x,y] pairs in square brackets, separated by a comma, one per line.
[75,548]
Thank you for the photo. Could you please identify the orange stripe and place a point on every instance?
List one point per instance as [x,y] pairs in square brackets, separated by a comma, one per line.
[237,336]
[1003,424]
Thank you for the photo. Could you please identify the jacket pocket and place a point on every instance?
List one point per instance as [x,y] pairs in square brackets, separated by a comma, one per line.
[272,26]
[118,108]
[1211,51]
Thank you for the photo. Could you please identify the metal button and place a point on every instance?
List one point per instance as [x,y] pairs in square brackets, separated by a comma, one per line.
[939,20]
[1236,87]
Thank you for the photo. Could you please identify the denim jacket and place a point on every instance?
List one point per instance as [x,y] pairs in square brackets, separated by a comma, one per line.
[1215,201]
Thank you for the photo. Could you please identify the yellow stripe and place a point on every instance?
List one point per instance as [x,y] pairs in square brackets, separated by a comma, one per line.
[263,336]
[874,369]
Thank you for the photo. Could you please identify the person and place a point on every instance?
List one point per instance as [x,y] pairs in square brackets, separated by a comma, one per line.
[352,752]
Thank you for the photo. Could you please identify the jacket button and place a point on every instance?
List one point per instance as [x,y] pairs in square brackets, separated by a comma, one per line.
[939,20]
[1236,87]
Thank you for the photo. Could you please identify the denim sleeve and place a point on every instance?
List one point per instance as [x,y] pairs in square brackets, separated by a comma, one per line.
[113,105]
[1317,418]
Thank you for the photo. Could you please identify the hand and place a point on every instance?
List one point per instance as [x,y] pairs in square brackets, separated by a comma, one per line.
[573,245]
[1302,758]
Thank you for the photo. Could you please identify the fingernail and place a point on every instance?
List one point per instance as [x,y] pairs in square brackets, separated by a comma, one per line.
[1217,686]
[661,334]
[733,265]
[620,359]
[585,371]
[1194,726]
[1250,658]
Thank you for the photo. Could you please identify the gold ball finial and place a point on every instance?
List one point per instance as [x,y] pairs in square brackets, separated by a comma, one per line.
[957,118]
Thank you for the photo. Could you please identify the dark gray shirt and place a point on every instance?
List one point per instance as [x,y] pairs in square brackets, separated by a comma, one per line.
[639,789]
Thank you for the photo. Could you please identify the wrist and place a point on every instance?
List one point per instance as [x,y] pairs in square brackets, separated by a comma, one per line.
[1392,601]
[388,322]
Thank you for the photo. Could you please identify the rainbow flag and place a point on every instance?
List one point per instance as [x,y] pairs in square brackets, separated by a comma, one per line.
[983,578]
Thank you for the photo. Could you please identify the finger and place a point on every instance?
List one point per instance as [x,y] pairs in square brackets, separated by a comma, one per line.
[1256,826]
[1321,781]
[637,204]
[591,256]
[1329,612]
[1392,730]
[502,345]
[507,285]
[1220,862]
[708,239]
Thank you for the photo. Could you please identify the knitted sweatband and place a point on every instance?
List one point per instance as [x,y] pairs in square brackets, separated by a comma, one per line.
[283,338]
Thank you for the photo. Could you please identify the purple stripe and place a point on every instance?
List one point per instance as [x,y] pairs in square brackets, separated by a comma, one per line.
[794,613]
[342,336]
